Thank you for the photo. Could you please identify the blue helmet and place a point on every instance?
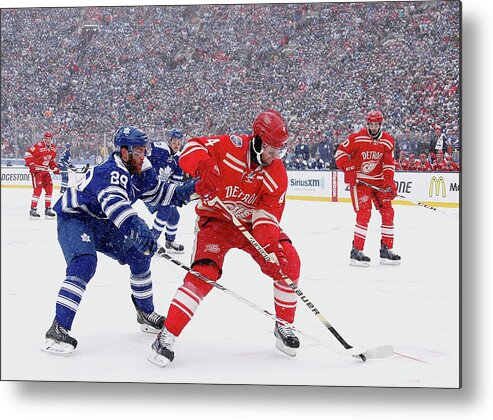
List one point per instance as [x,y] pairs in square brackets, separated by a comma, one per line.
[67,146]
[175,133]
[129,136]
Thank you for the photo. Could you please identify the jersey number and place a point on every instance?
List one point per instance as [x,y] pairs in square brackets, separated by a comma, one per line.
[117,179]
[211,142]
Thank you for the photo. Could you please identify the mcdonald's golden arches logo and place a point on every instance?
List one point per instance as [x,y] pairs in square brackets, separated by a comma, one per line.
[437,184]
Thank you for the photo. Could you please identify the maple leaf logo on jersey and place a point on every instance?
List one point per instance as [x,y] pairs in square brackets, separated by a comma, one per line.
[164,174]
[85,237]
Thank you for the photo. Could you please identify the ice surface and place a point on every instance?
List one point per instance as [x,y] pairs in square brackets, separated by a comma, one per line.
[414,306]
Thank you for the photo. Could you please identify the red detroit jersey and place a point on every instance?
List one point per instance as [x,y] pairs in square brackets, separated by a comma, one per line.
[255,193]
[373,159]
[42,156]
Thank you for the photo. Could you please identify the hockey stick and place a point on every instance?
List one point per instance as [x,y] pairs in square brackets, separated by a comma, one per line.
[82,170]
[290,283]
[416,203]
[374,353]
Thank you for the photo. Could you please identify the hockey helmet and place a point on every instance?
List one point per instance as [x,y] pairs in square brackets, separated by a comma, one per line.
[374,116]
[271,128]
[175,133]
[48,135]
[67,145]
[129,137]
[422,156]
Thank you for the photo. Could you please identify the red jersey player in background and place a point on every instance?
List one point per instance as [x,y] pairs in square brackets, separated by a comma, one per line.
[247,174]
[368,156]
[423,165]
[41,159]
[452,166]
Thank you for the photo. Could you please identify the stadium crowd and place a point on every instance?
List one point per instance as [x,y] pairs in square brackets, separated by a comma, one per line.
[82,72]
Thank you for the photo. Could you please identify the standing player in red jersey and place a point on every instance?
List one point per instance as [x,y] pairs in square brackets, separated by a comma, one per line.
[368,156]
[41,159]
[246,173]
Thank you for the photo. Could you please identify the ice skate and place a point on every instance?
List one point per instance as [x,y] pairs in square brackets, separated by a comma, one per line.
[149,322]
[34,215]
[58,341]
[49,213]
[174,247]
[286,341]
[387,256]
[162,348]
[358,259]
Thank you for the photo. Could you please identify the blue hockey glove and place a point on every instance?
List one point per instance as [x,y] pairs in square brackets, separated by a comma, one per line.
[141,235]
[183,192]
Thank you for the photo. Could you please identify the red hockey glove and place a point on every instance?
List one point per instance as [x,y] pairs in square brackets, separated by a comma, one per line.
[390,188]
[210,179]
[350,175]
[56,171]
[32,168]
[276,252]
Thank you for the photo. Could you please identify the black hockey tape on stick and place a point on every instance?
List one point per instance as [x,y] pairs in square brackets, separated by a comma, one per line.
[417,203]
[290,283]
[372,353]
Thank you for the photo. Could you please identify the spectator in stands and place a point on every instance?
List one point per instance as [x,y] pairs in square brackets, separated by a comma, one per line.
[317,163]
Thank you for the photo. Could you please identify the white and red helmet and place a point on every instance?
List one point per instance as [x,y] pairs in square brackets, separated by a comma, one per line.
[271,128]
[374,116]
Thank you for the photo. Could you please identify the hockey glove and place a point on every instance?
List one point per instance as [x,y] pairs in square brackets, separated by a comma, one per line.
[279,260]
[390,188]
[56,171]
[141,235]
[210,178]
[183,192]
[32,168]
[350,175]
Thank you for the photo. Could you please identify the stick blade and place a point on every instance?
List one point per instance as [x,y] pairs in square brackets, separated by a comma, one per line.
[379,352]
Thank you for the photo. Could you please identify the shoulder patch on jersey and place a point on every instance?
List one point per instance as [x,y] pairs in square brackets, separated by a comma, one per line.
[236,140]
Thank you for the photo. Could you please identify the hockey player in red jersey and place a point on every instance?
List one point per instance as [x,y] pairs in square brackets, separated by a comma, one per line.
[247,174]
[368,156]
[41,160]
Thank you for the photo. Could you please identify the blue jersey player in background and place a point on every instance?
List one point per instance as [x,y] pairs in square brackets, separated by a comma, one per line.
[164,157]
[65,163]
[97,216]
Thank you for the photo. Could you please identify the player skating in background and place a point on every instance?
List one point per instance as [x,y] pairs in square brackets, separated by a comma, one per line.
[164,157]
[98,216]
[247,174]
[40,159]
[65,163]
[368,156]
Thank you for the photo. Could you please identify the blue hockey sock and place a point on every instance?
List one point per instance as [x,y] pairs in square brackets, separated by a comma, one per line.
[79,271]
[141,285]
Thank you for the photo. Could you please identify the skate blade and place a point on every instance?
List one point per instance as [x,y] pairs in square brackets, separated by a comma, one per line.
[148,329]
[174,251]
[158,359]
[57,348]
[284,349]
[356,263]
[34,218]
[385,261]
[49,217]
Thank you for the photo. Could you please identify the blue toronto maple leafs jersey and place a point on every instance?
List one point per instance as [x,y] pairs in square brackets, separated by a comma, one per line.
[109,190]
[165,163]
[65,161]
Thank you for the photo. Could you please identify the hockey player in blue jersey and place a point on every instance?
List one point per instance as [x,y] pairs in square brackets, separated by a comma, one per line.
[97,216]
[164,157]
[65,163]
